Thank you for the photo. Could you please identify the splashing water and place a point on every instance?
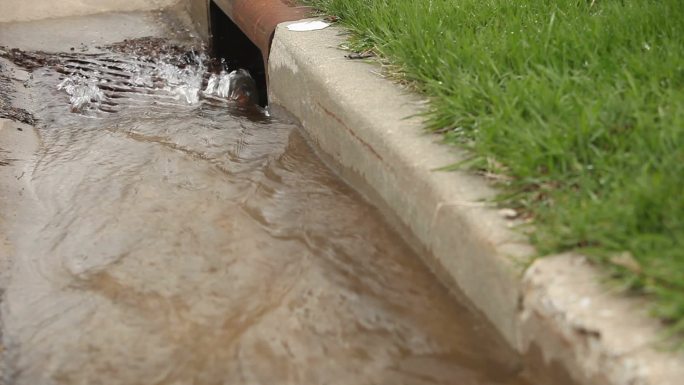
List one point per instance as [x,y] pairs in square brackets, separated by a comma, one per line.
[83,92]
[184,83]
[237,85]
[188,81]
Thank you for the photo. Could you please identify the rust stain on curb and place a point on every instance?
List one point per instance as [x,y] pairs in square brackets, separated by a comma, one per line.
[351,132]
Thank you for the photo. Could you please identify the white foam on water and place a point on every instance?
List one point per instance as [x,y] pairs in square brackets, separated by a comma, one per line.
[83,92]
[223,84]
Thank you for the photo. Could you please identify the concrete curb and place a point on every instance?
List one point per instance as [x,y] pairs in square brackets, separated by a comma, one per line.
[557,306]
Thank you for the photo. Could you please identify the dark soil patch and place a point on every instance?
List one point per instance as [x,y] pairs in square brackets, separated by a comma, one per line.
[7,111]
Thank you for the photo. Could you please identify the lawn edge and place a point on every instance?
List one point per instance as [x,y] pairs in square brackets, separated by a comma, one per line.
[358,122]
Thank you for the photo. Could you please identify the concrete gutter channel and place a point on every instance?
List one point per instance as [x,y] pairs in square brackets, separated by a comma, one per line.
[557,308]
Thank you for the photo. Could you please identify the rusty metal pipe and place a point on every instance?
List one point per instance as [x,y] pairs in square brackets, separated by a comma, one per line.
[258,18]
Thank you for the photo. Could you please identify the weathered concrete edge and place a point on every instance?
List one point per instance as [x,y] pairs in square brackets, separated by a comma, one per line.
[358,120]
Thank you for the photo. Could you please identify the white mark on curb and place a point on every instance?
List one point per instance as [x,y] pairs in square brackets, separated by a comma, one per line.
[585,302]
[308,26]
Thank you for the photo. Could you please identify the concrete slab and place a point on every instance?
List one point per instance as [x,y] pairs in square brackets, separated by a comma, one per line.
[60,35]
[366,127]
[28,10]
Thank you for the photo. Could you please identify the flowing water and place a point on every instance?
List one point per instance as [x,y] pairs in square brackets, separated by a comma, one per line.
[181,235]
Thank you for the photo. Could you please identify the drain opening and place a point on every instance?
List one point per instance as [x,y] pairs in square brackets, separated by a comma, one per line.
[228,42]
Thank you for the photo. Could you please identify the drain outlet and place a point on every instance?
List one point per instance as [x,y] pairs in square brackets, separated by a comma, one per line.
[229,43]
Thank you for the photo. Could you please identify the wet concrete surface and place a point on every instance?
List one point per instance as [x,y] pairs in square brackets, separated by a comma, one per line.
[153,239]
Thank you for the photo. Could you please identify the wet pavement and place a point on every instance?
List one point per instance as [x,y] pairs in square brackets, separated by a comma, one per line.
[160,231]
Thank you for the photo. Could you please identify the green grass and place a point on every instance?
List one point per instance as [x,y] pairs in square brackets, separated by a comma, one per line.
[579,103]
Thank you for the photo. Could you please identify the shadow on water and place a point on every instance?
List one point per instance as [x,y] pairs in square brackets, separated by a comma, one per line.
[185,237]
